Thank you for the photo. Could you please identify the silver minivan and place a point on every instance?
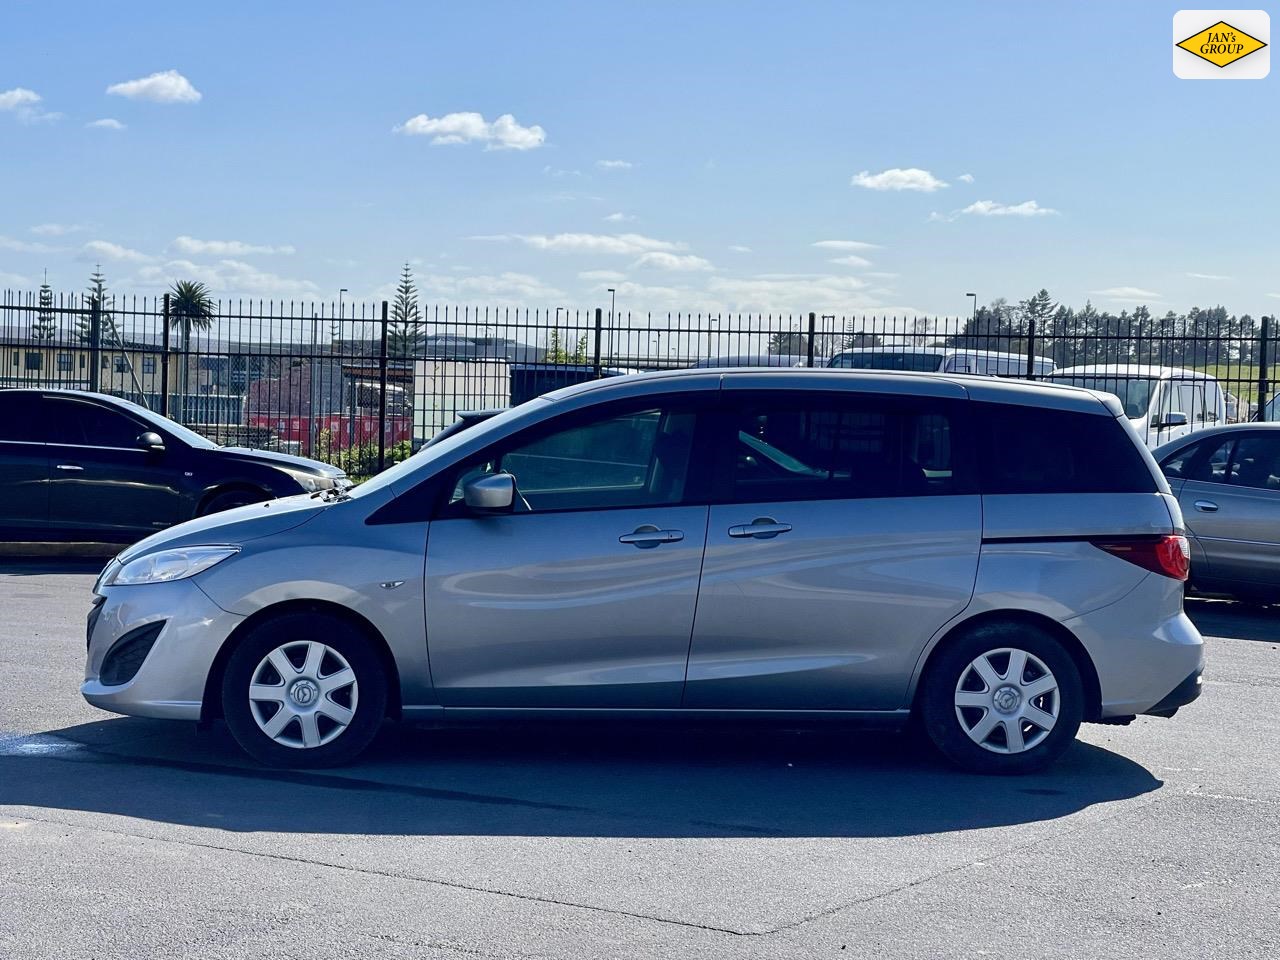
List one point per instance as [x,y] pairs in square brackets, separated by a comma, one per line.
[800,544]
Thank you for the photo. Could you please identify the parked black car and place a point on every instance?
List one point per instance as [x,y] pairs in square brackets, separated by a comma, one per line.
[80,466]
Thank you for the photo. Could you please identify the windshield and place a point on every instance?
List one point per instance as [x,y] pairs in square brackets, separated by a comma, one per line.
[186,435]
[1134,392]
[888,360]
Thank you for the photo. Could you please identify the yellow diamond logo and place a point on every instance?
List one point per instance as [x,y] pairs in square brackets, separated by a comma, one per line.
[1221,44]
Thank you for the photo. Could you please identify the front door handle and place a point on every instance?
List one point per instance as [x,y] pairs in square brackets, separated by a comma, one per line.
[761,528]
[69,466]
[648,536]
[1206,506]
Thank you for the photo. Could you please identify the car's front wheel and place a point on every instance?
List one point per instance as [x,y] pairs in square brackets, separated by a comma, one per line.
[304,690]
[1003,698]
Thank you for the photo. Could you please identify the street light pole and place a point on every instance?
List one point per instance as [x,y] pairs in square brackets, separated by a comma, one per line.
[975,304]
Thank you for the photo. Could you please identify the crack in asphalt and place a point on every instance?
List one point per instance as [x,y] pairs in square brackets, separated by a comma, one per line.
[390,875]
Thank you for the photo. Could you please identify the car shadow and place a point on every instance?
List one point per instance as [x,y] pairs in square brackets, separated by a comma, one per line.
[1229,618]
[541,780]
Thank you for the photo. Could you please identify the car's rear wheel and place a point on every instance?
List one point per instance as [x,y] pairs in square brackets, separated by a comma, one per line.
[304,690]
[230,499]
[1003,698]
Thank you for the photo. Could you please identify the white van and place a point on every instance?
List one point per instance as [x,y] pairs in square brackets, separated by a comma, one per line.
[1162,403]
[941,359]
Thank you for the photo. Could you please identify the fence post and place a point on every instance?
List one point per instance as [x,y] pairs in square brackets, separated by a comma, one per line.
[382,392]
[1031,348]
[95,344]
[599,330]
[813,318]
[1264,374]
[164,361]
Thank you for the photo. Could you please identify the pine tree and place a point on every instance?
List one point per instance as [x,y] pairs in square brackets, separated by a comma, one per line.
[555,348]
[46,325]
[97,293]
[403,335]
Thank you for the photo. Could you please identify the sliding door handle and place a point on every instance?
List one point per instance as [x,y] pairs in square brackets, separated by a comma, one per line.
[761,528]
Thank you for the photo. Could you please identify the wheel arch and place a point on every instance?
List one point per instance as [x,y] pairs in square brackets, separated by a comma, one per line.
[211,702]
[233,486]
[1070,642]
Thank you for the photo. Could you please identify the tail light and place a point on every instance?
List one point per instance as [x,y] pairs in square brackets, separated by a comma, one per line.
[1168,556]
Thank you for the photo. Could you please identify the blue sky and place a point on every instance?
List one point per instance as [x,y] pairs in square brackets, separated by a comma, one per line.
[738,132]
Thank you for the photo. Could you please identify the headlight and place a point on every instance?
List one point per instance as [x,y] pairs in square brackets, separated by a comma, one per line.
[309,481]
[164,566]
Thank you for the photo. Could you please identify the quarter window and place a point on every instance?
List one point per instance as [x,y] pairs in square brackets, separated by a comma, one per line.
[1033,450]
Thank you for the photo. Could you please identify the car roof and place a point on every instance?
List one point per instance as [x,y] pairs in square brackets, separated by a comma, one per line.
[1134,370]
[959,385]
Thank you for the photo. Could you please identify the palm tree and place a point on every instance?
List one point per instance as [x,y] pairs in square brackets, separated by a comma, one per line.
[190,306]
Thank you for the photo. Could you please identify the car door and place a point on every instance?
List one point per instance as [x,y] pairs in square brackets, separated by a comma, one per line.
[1231,503]
[844,534]
[103,485]
[583,595]
[24,464]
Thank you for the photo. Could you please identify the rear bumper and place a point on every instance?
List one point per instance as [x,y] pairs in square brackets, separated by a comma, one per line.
[1184,693]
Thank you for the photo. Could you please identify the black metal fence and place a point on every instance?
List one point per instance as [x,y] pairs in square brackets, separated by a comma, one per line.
[354,385]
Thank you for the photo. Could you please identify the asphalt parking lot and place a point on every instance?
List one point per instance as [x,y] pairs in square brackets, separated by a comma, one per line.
[130,838]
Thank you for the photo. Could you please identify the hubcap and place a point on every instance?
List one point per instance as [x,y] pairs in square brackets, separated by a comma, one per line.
[303,694]
[1007,700]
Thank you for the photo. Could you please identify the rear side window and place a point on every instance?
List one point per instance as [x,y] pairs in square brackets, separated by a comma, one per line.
[19,420]
[1033,450]
[843,447]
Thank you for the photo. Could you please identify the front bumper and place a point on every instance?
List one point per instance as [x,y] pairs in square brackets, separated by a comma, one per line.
[170,683]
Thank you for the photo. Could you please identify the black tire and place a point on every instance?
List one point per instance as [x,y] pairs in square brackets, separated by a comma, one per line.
[942,717]
[230,499]
[367,698]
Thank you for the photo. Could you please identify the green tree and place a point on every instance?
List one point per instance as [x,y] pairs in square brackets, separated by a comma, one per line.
[97,294]
[46,323]
[191,307]
[406,318]
[785,343]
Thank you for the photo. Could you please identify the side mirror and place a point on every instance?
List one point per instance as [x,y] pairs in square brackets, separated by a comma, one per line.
[151,442]
[1175,419]
[495,493]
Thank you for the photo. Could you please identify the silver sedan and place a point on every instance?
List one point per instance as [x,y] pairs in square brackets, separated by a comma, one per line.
[1227,481]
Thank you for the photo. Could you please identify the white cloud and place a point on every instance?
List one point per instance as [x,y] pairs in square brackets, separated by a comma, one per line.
[990,208]
[619,217]
[167,86]
[1276,295]
[614,164]
[18,97]
[13,280]
[25,246]
[644,294]
[1127,294]
[627,244]
[551,171]
[965,178]
[606,276]
[22,102]
[226,277]
[673,261]
[897,178]
[106,123]
[224,248]
[1208,276]
[739,248]
[106,250]
[845,245]
[803,292]
[56,229]
[516,289]
[852,260]
[502,134]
